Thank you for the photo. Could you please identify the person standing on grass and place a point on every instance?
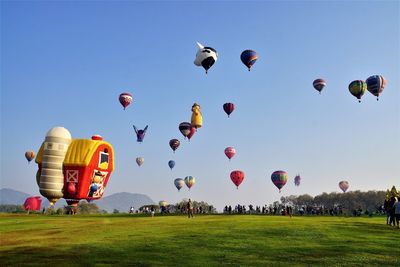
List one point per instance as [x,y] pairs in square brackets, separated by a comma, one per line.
[396,207]
[190,208]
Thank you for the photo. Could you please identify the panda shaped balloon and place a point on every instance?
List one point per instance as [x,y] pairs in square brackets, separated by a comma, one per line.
[205,57]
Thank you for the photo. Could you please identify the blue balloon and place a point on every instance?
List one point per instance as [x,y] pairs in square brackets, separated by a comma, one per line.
[171,164]
[93,188]
[249,57]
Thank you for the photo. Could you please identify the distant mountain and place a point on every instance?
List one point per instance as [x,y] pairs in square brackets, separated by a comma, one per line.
[9,196]
[120,201]
[123,201]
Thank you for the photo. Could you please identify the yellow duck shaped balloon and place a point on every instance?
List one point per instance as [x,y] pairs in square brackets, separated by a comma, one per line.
[197,118]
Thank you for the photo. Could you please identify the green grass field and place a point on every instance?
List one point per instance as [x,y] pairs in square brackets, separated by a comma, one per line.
[217,240]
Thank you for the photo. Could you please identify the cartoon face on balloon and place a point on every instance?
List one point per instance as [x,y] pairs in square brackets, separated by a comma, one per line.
[140,133]
[206,57]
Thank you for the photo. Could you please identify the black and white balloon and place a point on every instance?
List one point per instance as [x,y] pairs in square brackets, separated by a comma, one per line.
[206,57]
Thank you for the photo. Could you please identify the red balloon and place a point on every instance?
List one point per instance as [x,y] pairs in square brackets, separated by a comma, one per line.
[71,188]
[230,152]
[228,108]
[33,203]
[125,99]
[237,177]
[192,132]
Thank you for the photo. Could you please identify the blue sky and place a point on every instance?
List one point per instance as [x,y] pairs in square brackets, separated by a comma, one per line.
[65,63]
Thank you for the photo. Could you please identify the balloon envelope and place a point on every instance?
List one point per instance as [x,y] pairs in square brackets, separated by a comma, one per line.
[33,203]
[237,177]
[344,185]
[185,128]
[319,84]
[179,183]
[297,180]
[163,203]
[174,144]
[249,57]
[230,152]
[29,155]
[375,85]
[171,164]
[357,88]
[228,108]
[125,99]
[139,161]
[279,178]
[189,181]
[192,132]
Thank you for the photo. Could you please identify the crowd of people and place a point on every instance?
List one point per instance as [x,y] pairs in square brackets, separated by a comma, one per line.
[392,208]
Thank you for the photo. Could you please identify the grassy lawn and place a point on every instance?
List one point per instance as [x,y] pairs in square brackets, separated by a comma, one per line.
[237,240]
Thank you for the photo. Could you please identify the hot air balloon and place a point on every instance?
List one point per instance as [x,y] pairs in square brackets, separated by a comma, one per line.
[297,180]
[163,203]
[237,177]
[125,99]
[174,144]
[171,164]
[197,118]
[375,85]
[33,203]
[189,181]
[206,57]
[185,128]
[230,152]
[140,133]
[179,183]
[192,132]
[228,108]
[29,155]
[279,178]
[357,88]
[249,57]
[344,185]
[139,161]
[319,84]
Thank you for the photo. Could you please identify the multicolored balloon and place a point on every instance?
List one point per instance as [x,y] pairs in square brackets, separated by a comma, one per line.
[171,164]
[189,181]
[140,133]
[185,128]
[125,99]
[297,180]
[139,161]
[192,132]
[279,178]
[249,57]
[206,57]
[319,84]
[237,177]
[228,108]
[179,183]
[357,88]
[344,185]
[29,155]
[230,152]
[375,85]
[174,144]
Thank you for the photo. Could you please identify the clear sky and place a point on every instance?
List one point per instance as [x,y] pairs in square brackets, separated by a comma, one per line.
[65,63]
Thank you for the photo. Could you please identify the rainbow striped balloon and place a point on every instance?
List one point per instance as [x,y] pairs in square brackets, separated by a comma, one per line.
[189,181]
[279,178]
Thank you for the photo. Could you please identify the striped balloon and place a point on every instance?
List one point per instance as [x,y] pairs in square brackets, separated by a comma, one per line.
[279,178]
[344,185]
[357,88]
[375,85]
[249,57]
[319,84]
[228,108]
[189,181]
